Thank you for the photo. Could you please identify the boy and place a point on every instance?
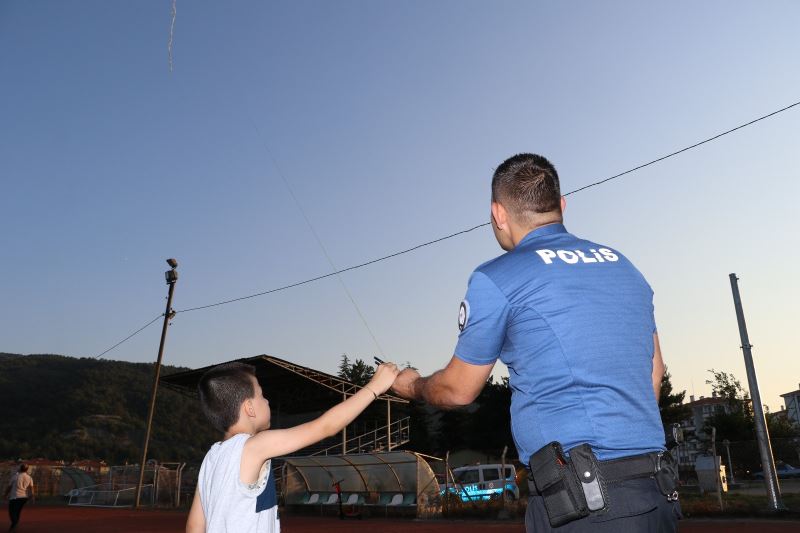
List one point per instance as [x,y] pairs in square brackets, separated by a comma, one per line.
[236,486]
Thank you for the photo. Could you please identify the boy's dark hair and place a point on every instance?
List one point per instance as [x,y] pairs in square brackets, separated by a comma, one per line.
[222,390]
[23,468]
[526,184]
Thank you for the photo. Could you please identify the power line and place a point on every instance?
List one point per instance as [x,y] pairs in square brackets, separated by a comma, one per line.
[417,247]
[695,145]
[333,273]
[336,273]
[129,336]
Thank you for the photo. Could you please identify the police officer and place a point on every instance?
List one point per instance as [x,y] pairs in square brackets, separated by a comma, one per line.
[573,322]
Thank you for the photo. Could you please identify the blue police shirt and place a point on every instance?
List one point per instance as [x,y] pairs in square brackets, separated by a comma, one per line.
[573,321]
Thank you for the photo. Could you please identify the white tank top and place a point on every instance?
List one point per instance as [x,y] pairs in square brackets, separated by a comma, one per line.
[229,505]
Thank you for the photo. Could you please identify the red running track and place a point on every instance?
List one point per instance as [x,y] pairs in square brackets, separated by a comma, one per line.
[42,519]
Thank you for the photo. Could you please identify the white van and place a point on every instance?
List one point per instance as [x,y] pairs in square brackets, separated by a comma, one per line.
[482,482]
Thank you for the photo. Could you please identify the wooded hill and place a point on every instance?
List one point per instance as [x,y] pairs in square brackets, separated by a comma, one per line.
[68,408]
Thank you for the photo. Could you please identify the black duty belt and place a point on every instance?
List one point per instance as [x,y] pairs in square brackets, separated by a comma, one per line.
[574,487]
[623,469]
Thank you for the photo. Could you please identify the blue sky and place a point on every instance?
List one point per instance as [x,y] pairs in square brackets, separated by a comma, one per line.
[386,119]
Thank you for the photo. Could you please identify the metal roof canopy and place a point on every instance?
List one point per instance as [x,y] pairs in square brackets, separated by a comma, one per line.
[393,471]
[290,388]
[376,479]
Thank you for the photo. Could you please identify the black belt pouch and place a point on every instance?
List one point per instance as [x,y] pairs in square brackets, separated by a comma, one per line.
[558,484]
[667,475]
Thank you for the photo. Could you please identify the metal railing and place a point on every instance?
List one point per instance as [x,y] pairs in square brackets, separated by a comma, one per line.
[384,438]
[105,495]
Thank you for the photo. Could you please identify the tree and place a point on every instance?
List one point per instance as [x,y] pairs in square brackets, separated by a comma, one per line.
[484,425]
[736,422]
[780,427]
[726,386]
[785,439]
[425,428]
[357,372]
[71,408]
[733,422]
[360,372]
[344,366]
[490,425]
[671,405]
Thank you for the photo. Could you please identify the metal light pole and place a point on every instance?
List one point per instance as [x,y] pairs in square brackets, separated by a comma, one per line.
[762,434]
[727,445]
[677,435]
[172,277]
[716,466]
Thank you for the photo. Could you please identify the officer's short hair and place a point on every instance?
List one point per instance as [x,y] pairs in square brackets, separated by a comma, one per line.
[526,184]
[223,389]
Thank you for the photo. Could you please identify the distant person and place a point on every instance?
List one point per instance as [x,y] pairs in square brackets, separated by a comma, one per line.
[19,489]
[573,321]
[236,485]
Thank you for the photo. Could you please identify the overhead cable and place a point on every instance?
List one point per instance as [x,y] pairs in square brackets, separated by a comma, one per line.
[413,248]
[450,236]
[695,145]
[129,336]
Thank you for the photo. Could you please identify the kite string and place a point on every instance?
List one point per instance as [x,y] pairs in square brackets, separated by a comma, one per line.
[335,271]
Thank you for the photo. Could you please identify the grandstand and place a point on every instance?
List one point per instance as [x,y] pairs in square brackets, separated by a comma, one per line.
[298,394]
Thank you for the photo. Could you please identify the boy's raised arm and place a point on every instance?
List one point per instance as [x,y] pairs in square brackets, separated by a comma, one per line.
[277,442]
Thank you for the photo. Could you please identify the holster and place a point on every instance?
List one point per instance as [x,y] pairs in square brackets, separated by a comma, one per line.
[557,482]
[590,477]
[666,476]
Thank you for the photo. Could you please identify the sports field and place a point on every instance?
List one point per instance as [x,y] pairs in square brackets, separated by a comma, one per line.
[41,519]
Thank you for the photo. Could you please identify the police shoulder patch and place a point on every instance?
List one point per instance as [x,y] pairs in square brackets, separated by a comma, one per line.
[463,315]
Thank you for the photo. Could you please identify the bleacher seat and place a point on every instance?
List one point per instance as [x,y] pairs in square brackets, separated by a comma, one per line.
[314,498]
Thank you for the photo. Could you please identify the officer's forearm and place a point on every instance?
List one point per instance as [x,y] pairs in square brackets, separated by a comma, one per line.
[435,390]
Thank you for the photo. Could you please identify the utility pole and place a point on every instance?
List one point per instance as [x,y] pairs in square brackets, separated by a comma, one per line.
[762,434]
[727,445]
[716,466]
[677,436]
[172,277]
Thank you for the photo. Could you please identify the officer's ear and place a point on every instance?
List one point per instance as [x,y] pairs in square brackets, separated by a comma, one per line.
[563,204]
[500,216]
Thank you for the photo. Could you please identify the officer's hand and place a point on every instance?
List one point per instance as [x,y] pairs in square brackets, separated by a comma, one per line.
[404,383]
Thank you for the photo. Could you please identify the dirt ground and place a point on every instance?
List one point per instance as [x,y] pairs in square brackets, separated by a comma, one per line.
[42,519]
